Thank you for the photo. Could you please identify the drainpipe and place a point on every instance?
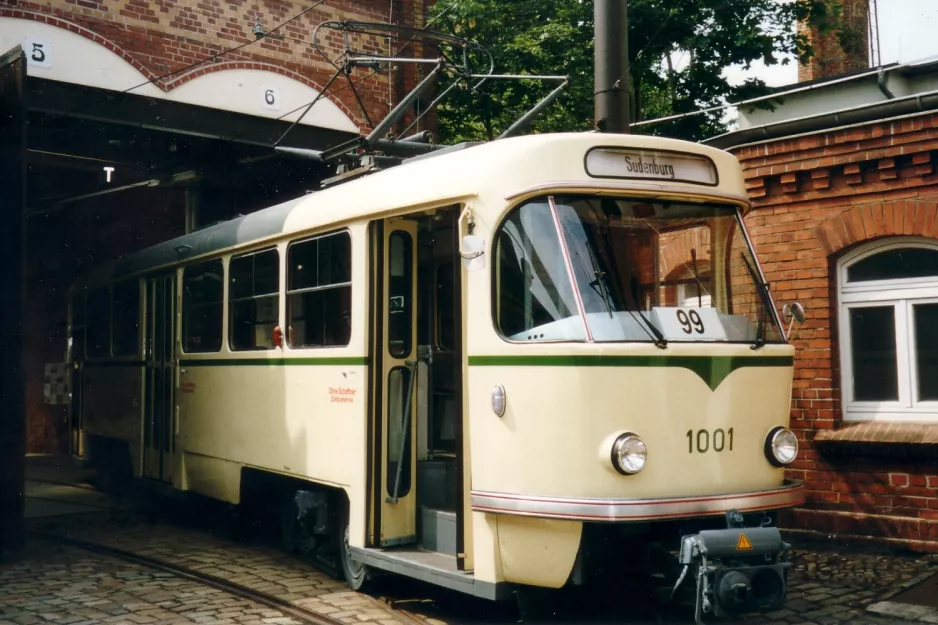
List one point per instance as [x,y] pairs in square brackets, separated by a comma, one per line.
[881,83]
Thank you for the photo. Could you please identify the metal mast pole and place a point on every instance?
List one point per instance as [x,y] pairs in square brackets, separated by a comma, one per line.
[610,72]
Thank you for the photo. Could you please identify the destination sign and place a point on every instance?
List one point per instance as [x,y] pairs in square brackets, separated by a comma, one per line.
[650,165]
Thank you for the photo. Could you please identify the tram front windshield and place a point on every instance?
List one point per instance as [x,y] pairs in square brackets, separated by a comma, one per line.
[587,268]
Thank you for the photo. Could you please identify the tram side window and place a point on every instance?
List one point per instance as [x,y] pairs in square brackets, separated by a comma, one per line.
[253,300]
[319,292]
[126,318]
[203,286]
[99,323]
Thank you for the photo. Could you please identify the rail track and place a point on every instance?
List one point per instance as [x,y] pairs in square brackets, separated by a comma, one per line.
[302,615]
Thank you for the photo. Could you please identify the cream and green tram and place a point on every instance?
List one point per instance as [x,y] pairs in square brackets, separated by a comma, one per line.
[526,363]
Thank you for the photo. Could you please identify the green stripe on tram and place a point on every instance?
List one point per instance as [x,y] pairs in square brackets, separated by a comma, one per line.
[273,362]
[711,369]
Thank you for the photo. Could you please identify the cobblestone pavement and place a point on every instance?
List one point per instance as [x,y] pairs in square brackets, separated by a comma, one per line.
[831,582]
[835,583]
[70,586]
[254,566]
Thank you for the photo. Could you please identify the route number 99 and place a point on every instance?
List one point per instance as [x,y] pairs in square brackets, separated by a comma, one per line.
[690,322]
[703,440]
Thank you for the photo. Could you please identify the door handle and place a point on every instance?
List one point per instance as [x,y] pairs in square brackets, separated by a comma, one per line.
[183,371]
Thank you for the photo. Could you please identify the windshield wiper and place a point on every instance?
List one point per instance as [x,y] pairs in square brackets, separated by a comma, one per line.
[599,284]
[655,333]
[763,289]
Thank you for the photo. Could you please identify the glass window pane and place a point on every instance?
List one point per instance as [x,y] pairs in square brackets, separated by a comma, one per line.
[926,350]
[254,300]
[322,315]
[398,387]
[126,318]
[99,323]
[908,262]
[303,264]
[334,259]
[400,293]
[445,294]
[240,277]
[873,342]
[321,318]
[267,272]
[534,299]
[203,287]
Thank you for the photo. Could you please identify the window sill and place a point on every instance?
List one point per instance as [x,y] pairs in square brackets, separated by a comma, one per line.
[876,438]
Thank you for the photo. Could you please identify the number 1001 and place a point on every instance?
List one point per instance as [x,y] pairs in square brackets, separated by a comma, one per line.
[703,441]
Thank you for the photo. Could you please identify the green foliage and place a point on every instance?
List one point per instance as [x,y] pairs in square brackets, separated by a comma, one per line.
[556,37]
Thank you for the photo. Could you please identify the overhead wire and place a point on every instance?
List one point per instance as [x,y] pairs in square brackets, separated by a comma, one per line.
[351,83]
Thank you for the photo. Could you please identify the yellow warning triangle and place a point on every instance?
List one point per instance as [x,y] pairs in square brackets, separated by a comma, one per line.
[743,543]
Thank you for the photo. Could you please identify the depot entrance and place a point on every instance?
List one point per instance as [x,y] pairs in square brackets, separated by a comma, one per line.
[88,175]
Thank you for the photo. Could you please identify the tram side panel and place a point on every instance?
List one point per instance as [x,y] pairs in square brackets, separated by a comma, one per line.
[291,411]
[301,417]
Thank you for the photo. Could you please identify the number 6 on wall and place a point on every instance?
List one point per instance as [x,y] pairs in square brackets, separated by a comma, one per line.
[270,98]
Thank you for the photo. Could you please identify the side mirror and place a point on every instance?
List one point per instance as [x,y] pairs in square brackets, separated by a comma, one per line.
[794,312]
[471,250]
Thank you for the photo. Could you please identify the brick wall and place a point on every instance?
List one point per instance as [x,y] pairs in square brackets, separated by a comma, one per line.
[816,197]
[162,38]
[843,48]
[60,246]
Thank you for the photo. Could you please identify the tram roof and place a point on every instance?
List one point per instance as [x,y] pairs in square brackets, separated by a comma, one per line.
[494,169]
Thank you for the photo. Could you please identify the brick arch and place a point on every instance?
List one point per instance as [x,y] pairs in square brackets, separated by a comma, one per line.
[202,70]
[177,79]
[675,251]
[57,22]
[879,219]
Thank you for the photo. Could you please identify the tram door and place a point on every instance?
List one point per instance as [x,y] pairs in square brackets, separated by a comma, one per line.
[76,364]
[394,379]
[160,396]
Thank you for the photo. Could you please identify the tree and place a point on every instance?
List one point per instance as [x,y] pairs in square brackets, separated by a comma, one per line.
[678,51]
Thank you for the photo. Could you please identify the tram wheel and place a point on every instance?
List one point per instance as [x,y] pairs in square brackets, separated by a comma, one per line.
[358,576]
[290,529]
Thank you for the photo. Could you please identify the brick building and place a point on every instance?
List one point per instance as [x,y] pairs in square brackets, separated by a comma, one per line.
[146,119]
[844,183]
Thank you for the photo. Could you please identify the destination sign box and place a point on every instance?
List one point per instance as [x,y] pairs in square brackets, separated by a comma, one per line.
[650,165]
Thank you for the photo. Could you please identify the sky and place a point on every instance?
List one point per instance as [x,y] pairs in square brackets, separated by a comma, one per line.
[908,31]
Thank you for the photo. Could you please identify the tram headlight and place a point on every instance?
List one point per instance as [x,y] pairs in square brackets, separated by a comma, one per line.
[781,446]
[629,454]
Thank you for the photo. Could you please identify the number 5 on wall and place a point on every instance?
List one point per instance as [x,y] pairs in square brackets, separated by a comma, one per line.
[38,52]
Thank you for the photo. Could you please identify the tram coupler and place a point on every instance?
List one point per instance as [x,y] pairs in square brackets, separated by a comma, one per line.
[736,570]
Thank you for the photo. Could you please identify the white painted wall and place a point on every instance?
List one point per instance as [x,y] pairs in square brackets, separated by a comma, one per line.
[261,93]
[58,54]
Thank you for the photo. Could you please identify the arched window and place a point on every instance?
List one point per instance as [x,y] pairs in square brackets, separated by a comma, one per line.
[888,322]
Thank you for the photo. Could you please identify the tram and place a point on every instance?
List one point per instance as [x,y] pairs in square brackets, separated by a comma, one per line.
[522,364]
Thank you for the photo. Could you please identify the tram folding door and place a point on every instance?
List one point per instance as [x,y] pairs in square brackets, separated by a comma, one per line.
[159,438]
[397,467]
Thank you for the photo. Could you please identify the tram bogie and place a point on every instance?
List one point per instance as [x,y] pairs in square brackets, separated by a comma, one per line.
[471,369]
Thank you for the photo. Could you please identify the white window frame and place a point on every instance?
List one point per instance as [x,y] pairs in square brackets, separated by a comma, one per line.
[902,295]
